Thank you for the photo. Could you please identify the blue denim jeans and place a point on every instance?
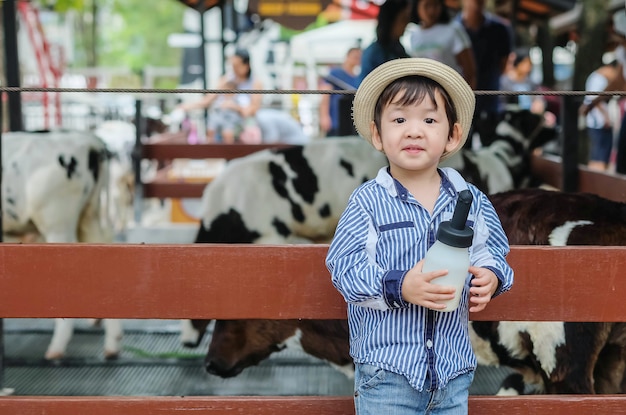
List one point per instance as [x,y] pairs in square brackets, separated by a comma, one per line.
[379,391]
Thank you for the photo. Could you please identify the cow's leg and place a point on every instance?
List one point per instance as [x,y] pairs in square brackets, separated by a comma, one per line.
[112,338]
[192,332]
[63,330]
[189,336]
[63,327]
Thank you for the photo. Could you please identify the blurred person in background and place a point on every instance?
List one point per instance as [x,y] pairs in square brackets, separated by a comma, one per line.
[492,43]
[240,108]
[517,78]
[343,77]
[598,120]
[616,84]
[437,37]
[393,18]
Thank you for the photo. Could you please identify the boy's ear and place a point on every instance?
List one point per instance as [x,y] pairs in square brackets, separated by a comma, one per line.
[454,141]
[377,142]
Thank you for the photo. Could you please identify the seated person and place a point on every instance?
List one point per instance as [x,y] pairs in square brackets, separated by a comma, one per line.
[230,112]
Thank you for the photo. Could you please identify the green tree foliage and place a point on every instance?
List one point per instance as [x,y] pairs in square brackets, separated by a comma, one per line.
[133,33]
[62,6]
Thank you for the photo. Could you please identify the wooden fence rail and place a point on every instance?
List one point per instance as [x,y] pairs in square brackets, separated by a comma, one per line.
[280,282]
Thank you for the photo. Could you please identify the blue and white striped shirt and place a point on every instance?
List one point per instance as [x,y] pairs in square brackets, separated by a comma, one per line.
[382,234]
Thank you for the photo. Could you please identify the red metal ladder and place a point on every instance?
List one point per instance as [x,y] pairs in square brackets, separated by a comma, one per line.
[50,69]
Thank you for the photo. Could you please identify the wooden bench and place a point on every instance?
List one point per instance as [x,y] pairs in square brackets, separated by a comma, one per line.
[175,281]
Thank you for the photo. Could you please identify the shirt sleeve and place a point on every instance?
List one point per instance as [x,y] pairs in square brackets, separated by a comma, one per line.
[461,40]
[491,246]
[352,265]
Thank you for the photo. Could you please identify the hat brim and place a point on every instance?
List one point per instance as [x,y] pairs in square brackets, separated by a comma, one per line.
[375,82]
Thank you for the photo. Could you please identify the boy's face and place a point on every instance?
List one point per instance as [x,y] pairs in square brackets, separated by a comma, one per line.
[414,137]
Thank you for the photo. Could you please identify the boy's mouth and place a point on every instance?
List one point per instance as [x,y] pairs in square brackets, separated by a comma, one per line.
[413,149]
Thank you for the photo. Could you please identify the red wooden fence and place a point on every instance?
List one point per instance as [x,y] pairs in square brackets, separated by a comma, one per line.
[187,281]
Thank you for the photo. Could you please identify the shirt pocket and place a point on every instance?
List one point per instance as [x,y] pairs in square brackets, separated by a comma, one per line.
[396,247]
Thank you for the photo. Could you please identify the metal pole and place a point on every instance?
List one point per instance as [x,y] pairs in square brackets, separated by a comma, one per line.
[569,142]
[137,155]
[11,61]
[201,10]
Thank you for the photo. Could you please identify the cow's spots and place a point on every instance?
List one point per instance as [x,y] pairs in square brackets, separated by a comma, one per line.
[227,228]
[279,183]
[12,214]
[281,227]
[560,234]
[305,181]
[324,211]
[347,166]
[69,166]
[93,164]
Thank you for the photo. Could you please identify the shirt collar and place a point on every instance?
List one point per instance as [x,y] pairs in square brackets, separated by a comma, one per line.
[395,188]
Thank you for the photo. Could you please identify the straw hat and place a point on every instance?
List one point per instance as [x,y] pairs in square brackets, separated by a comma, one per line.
[376,81]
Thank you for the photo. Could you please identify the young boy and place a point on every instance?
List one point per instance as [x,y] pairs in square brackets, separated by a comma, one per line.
[410,357]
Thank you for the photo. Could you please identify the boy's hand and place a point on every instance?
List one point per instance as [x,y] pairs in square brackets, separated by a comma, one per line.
[418,289]
[484,285]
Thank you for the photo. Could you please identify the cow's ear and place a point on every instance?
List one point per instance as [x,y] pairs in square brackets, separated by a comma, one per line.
[377,141]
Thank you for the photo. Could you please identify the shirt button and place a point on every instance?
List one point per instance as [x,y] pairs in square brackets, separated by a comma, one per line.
[429,343]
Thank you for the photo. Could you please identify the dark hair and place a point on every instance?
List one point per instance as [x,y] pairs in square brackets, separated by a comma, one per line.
[387,15]
[245,58]
[520,55]
[244,55]
[444,15]
[415,88]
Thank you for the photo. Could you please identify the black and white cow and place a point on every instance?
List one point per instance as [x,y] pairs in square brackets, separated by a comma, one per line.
[558,357]
[297,194]
[52,186]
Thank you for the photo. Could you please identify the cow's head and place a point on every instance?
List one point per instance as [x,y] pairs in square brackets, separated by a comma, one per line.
[238,344]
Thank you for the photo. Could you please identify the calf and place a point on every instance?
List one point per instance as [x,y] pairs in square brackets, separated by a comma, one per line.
[52,185]
[558,357]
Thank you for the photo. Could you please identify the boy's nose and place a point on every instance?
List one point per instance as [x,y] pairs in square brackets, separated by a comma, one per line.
[414,129]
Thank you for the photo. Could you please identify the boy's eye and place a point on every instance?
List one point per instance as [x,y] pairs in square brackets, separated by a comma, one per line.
[429,120]
[399,120]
